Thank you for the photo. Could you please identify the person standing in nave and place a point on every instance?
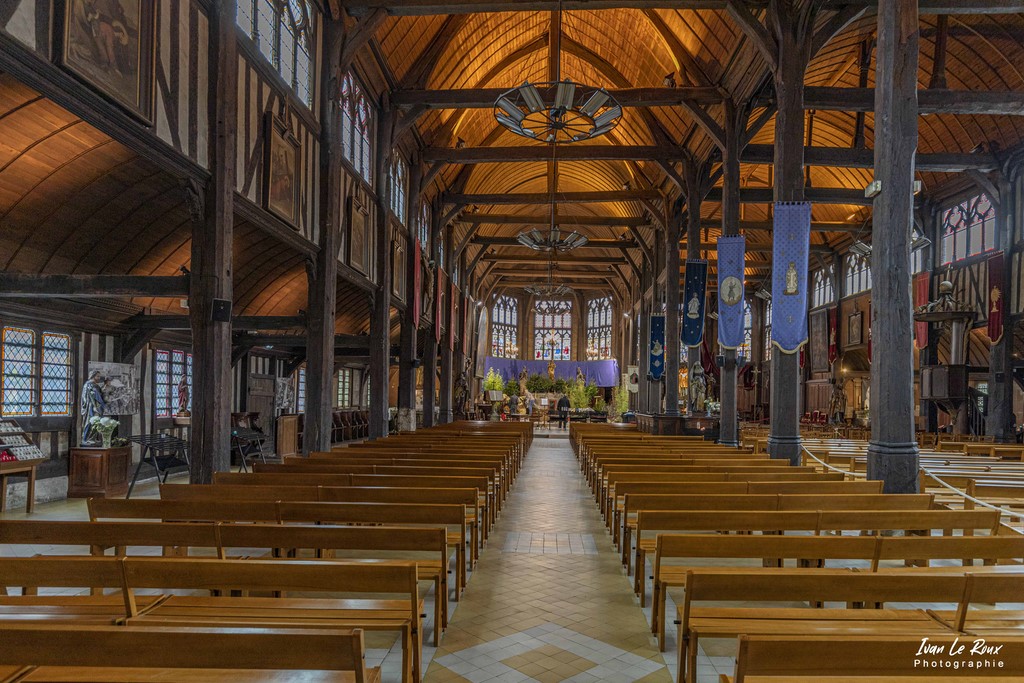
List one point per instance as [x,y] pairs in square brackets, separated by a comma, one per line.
[563,411]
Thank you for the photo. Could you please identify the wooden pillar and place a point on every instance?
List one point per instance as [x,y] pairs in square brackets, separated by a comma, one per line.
[380,314]
[212,212]
[729,434]
[408,361]
[1000,421]
[445,350]
[430,343]
[323,270]
[793,48]
[459,329]
[892,451]
[672,339]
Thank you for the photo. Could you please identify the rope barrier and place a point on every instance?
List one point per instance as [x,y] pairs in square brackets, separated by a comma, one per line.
[855,475]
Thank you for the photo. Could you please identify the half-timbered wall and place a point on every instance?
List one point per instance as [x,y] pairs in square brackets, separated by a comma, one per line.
[180,70]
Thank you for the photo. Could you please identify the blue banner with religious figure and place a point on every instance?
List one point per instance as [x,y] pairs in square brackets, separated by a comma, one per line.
[731,256]
[656,348]
[792,240]
[694,296]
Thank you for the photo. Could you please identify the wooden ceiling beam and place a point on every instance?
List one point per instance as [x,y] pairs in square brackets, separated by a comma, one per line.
[847,157]
[816,226]
[525,198]
[563,261]
[75,286]
[539,219]
[238,322]
[494,155]
[930,101]
[415,8]
[592,244]
[341,341]
[815,195]
[484,98]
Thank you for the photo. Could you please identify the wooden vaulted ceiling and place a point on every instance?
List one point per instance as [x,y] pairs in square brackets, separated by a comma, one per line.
[619,48]
[74,201]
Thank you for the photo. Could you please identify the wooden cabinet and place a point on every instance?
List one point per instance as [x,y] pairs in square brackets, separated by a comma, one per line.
[99,472]
[287,435]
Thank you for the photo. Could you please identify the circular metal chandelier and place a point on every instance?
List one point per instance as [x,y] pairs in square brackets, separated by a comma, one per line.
[546,291]
[551,240]
[558,111]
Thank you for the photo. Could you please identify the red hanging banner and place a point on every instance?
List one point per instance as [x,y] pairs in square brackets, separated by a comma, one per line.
[922,285]
[833,335]
[453,320]
[996,298]
[417,285]
[439,305]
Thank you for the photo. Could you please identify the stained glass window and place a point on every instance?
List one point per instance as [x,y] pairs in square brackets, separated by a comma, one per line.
[344,387]
[822,290]
[748,332]
[300,391]
[18,372]
[169,368]
[282,31]
[505,328]
[399,178]
[858,274]
[599,329]
[767,331]
[968,229]
[552,336]
[424,226]
[356,127]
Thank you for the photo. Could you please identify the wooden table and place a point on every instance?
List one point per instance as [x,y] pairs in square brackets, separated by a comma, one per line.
[22,467]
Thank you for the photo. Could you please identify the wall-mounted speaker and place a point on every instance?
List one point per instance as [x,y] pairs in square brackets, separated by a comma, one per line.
[221,311]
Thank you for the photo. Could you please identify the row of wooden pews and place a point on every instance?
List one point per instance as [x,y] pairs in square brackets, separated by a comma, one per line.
[793,552]
[341,544]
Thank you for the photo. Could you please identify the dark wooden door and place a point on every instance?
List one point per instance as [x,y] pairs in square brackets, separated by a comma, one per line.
[261,400]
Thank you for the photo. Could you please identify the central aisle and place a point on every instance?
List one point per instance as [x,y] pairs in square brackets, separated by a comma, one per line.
[549,600]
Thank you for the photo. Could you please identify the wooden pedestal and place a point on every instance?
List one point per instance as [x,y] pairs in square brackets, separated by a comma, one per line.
[99,472]
[287,435]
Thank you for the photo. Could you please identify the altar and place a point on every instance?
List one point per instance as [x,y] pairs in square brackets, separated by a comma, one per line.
[706,426]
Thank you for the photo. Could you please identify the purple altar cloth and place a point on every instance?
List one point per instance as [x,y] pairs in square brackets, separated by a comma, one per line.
[603,373]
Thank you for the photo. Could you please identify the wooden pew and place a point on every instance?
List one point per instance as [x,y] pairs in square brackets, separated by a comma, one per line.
[863,659]
[116,654]
[812,586]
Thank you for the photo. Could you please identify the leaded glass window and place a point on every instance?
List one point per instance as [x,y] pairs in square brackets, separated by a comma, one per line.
[170,365]
[968,229]
[282,31]
[36,373]
[424,226]
[858,274]
[767,331]
[748,332]
[599,329]
[356,127]
[398,175]
[300,391]
[344,387]
[552,337]
[822,290]
[505,328]
[18,372]
[56,375]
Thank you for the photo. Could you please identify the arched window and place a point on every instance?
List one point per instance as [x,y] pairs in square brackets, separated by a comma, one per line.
[505,328]
[599,329]
[822,290]
[552,335]
[858,274]
[356,127]
[968,229]
[398,175]
[424,226]
[748,332]
[282,30]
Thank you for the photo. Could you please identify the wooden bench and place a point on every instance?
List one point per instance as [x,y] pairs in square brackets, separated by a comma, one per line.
[115,654]
[812,586]
[864,659]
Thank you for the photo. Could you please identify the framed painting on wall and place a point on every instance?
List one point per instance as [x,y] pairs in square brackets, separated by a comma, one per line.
[109,44]
[280,171]
[855,328]
[398,269]
[357,216]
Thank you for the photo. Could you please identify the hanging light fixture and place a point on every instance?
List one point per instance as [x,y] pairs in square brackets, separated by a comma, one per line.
[552,239]
[557,111]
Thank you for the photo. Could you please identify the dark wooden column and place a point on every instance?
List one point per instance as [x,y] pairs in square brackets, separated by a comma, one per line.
[458,357]
[323,271]
[892,451]
[1000,422]
[408,361]
[380,314]
[430,342]
[792,49]
[444,397]
[672,340]
[733,137]
[212,212]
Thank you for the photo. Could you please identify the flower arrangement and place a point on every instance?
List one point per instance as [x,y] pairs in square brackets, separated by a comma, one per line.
[106,426]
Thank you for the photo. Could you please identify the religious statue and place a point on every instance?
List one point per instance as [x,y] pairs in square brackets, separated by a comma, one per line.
[93,405]
[792,281]
[837,403]
[522,380]
[521,409]
[461,392]
[183,397]
[698,389]
[693,307]
[946,303]
[580,377]
[551,370]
